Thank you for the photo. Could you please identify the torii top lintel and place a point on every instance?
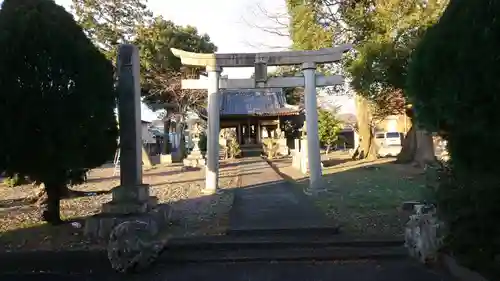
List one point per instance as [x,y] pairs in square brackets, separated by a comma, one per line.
[327,55]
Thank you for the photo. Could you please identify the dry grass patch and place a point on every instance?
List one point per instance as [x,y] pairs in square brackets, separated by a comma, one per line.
[365,196]
[193,213]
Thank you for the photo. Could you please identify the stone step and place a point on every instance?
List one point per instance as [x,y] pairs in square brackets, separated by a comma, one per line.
[287,254]
[227,242]
[302,231]
[215,249]
[286,246]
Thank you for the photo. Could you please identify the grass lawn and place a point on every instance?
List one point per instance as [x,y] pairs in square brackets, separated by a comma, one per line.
[365,197]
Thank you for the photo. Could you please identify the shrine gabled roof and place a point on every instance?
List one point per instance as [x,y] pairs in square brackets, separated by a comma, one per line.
[255,102]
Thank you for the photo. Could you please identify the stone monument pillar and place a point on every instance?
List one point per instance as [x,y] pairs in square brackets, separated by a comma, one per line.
[311,105]
[165,155]
[212,171]
[195,158]
[304,156]
[131,198]
[296,155]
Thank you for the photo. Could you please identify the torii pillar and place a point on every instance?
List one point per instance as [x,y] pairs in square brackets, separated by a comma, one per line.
[209,62]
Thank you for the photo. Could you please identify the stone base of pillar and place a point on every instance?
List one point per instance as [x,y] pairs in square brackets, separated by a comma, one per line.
[211,191]
[296,159]
[127,205]
[166,159]
[314,190]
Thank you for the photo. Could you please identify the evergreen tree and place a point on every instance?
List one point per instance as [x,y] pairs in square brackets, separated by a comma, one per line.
[57,100]
[328,128]
[453,84]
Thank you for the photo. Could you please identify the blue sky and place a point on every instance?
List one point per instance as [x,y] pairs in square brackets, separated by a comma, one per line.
[229,23]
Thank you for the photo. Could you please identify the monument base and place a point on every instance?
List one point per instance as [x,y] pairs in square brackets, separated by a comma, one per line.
[166,159]
[195,159]
[127,206]
[296,159]
[101,225]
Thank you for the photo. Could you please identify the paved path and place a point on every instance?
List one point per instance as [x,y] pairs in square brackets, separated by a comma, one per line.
[266,201]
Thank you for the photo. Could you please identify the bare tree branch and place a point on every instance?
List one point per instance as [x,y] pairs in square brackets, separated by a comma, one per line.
[275,24]
[165,88]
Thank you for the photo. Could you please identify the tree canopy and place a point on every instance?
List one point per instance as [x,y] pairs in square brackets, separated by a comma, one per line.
[328,127]
[452,80]
[57,100]
[110,22]
[162,71]
[386,33]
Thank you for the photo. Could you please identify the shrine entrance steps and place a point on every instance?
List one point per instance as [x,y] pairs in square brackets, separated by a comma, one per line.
[251,150]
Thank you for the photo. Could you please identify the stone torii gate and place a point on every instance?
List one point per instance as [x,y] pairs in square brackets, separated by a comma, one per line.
[308,61]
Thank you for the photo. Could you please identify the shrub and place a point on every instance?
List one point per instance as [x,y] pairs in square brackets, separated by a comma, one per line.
[15,180]
[452,83]
[203,142]
[233,148]
[271,147]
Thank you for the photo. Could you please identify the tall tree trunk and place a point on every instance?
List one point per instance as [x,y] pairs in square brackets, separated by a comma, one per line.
[418,148]
[425,149]
[367,148]
[50,203]
[180,128]
[409,147]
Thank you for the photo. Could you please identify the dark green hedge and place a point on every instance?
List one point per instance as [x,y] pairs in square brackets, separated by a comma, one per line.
[453,83]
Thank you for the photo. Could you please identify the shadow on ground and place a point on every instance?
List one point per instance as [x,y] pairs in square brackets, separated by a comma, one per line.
[276,203]
[365,270]
[72,194]
[193,180]
[364,196]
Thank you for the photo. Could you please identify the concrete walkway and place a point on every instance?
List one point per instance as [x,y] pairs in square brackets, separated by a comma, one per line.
[266,201]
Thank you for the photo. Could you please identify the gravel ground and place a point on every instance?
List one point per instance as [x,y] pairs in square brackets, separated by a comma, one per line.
[193,213]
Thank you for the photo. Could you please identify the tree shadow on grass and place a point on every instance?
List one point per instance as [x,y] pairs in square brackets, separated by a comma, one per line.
[365,197]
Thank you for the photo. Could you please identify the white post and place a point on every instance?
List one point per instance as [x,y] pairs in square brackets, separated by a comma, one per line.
[212,170]
[309,69]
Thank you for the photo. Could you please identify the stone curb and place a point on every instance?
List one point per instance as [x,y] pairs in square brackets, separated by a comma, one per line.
[460,272]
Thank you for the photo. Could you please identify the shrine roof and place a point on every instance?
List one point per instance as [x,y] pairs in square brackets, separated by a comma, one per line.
[255,102]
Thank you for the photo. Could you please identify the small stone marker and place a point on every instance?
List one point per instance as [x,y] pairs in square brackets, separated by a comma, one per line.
[133,245]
